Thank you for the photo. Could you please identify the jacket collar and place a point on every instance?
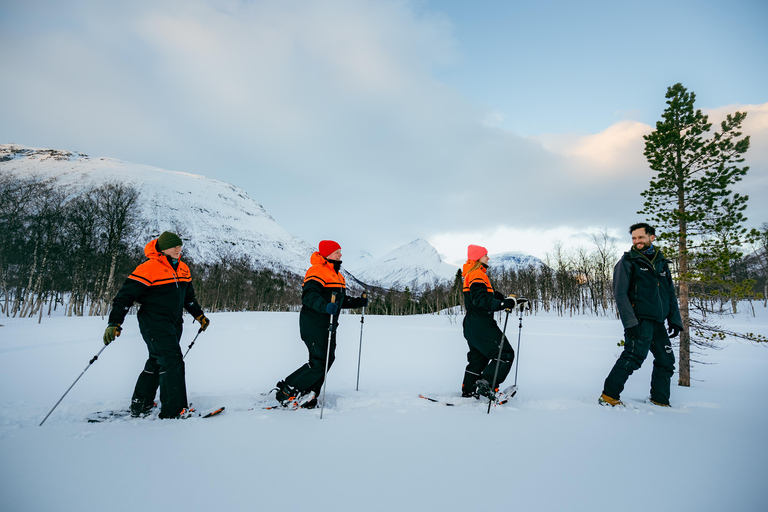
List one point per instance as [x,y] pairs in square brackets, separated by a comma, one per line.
[151,252]
[657,255]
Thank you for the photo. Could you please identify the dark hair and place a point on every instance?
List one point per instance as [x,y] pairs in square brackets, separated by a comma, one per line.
[648,228]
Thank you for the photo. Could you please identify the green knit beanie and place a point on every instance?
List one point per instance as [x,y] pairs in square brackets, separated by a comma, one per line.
[168,240]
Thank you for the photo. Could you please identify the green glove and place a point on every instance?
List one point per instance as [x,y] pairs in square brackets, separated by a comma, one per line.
[112,331]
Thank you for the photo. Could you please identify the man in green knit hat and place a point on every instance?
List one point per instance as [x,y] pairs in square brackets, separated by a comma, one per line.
[163,287]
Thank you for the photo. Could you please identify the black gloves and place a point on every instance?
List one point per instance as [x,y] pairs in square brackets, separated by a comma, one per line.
[112,331]
[674,331]
[332,308]
[509,303]
[204,322]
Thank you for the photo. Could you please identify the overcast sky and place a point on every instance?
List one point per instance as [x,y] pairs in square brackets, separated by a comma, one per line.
[507,124]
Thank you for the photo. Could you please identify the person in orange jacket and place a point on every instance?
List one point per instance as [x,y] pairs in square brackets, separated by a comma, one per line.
[322,282]
[480,329]
[163,287]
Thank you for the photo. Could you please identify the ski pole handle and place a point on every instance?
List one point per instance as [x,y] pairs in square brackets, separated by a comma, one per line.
[333,301]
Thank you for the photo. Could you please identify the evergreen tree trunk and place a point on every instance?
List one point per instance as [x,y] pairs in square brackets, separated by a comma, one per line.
[684,375]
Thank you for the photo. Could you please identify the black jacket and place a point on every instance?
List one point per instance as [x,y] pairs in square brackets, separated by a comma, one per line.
[643,288]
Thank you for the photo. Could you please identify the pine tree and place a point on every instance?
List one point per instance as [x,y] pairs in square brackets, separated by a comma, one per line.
[690,197]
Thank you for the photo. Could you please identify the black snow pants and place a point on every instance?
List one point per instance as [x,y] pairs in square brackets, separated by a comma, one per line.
[649,335]
[483,337]
[311,375]
[165,369]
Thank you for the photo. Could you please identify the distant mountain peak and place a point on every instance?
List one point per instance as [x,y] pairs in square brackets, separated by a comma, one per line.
[413,265]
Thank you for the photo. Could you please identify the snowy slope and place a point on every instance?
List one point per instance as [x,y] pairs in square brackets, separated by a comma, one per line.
[414,265]
[382,448]
[362,259]
[513,261]
[213,217]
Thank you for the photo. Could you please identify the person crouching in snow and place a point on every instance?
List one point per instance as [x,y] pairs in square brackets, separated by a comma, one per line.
[322,282]
[163,287]
[480,330]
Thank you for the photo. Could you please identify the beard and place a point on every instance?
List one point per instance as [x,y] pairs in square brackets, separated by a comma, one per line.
[642,246]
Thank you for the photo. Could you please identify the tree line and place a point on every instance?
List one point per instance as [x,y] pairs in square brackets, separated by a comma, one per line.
[72,248]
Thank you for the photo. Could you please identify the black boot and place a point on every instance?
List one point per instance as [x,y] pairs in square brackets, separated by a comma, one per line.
[141,407]
[285,394]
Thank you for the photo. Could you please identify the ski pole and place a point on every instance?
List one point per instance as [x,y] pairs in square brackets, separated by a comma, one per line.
[193,342]
[519,333]
[331,330]
[73,384]
[498,360]
[360,350]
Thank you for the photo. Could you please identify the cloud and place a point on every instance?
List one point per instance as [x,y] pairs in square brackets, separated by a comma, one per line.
[617,148]
[329,113]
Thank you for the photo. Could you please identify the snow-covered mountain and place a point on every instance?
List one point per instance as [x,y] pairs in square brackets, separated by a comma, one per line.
[513,261]
[213,217]
[217,219]
[362,259]
[414,265]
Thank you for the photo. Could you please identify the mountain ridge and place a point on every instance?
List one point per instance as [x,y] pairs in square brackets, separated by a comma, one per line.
[218,220]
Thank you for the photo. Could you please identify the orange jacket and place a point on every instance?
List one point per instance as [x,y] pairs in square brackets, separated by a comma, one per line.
[323,272]
[162,292]
[476,276]
[478,292]
[321,283]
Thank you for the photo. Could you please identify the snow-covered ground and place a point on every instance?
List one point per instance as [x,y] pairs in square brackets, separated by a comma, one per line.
[552,448]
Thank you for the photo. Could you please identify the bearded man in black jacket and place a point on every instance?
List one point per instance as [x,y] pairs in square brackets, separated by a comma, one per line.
[645,297]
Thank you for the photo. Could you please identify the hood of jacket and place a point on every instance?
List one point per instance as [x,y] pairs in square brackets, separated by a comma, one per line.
[317,259]
[151,252]
[468,266]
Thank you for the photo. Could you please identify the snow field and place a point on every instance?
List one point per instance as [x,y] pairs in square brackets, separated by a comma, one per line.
[382,448]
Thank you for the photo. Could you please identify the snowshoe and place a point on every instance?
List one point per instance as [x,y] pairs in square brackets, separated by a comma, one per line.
[287,395]
[187,412]
[307,401]
[484,390]
[104,416]
[505,396]
[141,408]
